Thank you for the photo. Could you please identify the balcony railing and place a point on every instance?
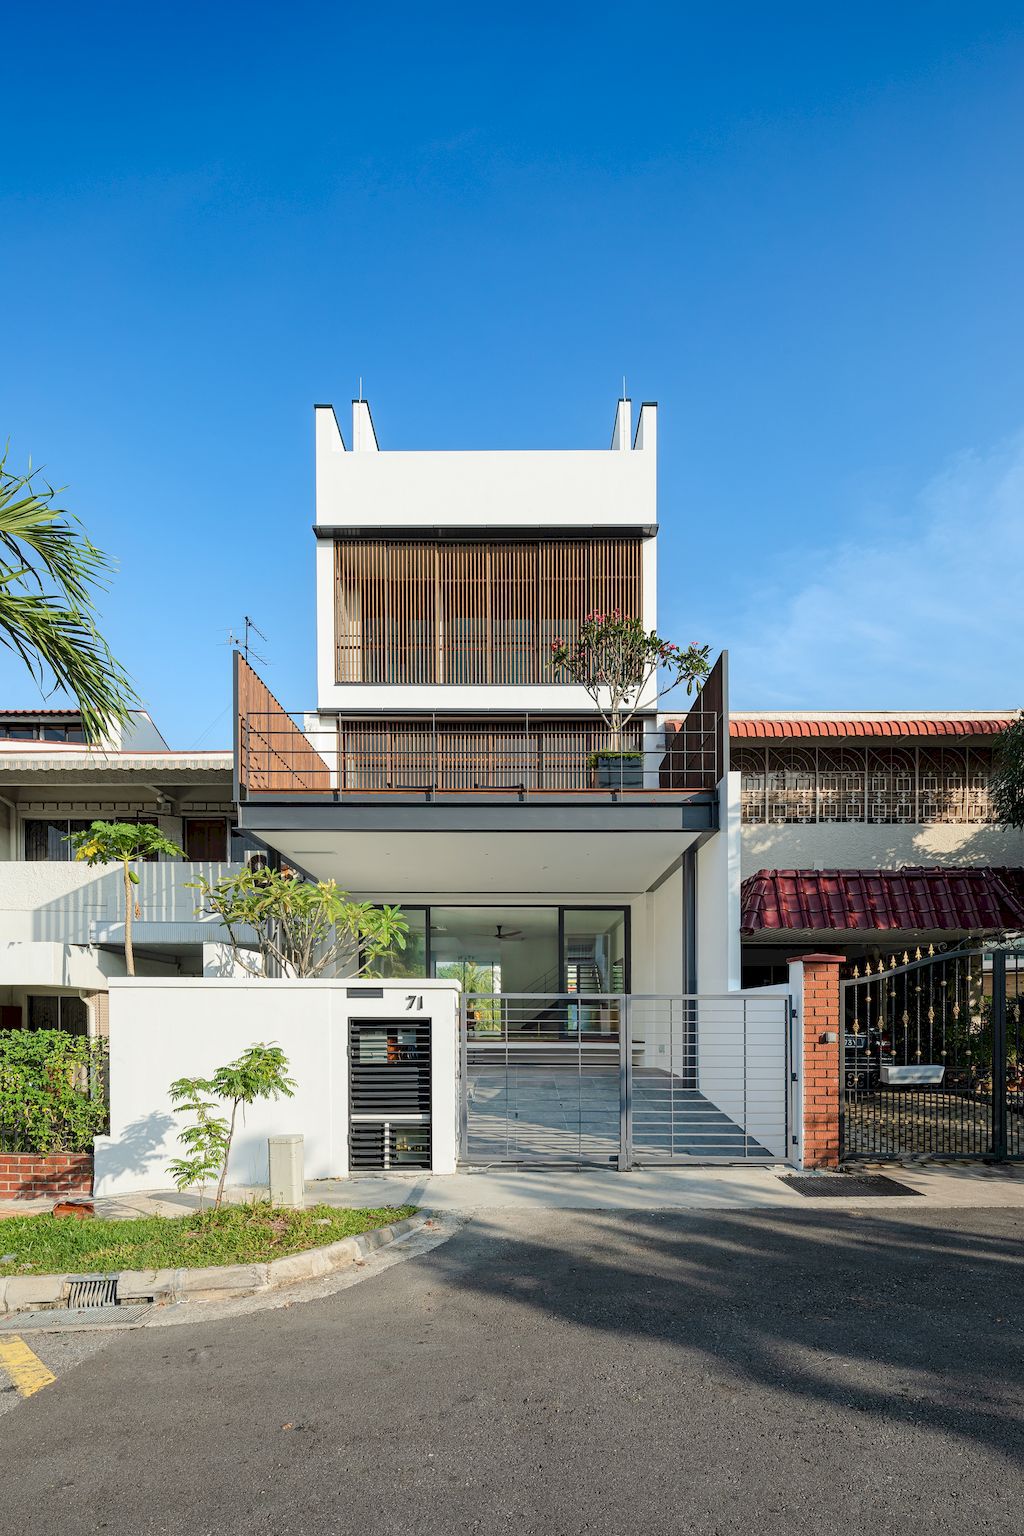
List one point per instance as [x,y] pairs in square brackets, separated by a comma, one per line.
[525,755]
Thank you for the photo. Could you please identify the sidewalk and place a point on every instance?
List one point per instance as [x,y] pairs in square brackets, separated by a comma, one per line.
[651,1189]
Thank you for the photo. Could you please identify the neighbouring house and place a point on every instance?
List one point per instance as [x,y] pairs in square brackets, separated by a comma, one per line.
[62,921]
[872,832]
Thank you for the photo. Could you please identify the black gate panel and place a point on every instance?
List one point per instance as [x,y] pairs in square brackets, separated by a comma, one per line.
[389,1094]
[932,1058]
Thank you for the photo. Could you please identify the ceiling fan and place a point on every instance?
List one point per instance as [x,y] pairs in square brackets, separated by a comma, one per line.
[501,934]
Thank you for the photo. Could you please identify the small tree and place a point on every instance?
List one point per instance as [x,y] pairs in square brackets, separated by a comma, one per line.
[259,1073]
[124,843]
[1006,788]
[301,928]
[617,661]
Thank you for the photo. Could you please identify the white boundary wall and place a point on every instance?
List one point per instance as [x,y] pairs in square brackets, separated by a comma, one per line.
[186,1027]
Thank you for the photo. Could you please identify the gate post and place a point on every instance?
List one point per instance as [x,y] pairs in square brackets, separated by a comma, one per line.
[999,1054]
[625,1084]
[820,1033]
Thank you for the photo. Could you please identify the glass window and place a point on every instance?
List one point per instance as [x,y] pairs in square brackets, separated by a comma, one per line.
[46,838]
[595,955]
[412,960]
[496,949]
[68,1013]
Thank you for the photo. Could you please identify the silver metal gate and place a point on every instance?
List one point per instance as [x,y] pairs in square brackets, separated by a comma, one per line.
[624,1079]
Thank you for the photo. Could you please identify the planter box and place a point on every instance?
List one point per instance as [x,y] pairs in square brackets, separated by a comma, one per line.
[922,1076]
[31,1175]
[613,772]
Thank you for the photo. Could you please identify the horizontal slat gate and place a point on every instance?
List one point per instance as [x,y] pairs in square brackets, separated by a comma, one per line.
[389,1094]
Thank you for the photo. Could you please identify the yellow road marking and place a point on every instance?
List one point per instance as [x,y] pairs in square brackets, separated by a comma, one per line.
[25,1369]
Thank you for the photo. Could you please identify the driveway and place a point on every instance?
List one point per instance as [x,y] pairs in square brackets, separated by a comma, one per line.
[567,1372]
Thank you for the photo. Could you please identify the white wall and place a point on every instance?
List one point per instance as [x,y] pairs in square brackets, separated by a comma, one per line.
[718,897]
[43,900]
[860,845]
[162,1030]
[493,488]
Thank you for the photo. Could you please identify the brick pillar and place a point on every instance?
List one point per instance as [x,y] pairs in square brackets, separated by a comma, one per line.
[822,1058]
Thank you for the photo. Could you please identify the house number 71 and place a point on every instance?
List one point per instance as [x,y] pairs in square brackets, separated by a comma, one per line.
[413,1001]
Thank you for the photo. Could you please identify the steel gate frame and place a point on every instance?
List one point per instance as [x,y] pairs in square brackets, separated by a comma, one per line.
[624,1152]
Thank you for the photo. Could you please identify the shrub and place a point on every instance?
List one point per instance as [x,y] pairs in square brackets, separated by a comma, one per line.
[52,1091]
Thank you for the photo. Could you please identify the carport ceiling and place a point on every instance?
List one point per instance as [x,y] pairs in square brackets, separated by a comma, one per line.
[528,864]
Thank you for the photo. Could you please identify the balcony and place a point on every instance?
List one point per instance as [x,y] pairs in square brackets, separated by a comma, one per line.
[429,757]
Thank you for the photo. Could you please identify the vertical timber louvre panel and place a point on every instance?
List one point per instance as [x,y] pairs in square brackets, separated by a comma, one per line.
[416,612]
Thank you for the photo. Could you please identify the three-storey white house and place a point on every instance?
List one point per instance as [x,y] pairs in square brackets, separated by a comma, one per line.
[453,771]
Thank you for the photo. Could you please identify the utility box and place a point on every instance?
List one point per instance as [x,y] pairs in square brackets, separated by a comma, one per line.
[287,1172]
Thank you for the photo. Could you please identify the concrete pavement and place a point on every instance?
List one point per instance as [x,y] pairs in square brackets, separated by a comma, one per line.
[648,1189]
[578,1374]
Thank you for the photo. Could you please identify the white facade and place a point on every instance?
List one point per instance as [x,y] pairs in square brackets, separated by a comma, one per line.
[369,489]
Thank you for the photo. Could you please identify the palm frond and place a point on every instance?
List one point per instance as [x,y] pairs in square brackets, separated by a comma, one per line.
[50,572]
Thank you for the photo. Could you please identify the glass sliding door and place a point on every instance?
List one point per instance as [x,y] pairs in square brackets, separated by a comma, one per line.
[496,949]
[595,959]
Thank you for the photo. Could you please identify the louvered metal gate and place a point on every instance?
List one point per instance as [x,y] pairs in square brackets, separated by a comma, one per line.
[389,1094]
[933,1057]
[624,1080]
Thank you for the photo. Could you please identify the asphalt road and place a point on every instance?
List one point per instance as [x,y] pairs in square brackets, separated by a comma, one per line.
[564,1373]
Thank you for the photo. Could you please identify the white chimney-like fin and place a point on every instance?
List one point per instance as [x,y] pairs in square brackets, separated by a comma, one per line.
[622,437]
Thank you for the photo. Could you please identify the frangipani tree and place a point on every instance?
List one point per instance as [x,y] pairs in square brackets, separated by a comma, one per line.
[302,928]
[618,662]
[124,843]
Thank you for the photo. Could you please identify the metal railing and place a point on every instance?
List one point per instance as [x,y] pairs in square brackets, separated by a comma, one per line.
[522,755]
[624,1078]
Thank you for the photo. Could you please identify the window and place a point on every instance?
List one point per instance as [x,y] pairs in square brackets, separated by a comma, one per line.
[27,730]
[205,840]
[68,1013]
[517,949]
[46,838]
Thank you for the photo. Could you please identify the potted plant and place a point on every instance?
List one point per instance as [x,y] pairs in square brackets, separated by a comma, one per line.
[617,661]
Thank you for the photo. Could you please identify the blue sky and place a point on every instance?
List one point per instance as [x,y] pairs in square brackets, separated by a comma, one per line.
[799,228]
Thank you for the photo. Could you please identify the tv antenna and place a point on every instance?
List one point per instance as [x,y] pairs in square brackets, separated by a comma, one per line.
[245,644]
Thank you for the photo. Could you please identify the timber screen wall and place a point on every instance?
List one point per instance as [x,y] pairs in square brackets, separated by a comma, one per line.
[472,613]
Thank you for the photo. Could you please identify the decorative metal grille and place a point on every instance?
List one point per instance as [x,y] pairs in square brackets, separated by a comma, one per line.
[894,785]
[932,1056]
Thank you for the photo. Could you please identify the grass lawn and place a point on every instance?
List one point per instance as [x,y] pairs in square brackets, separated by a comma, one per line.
[236,1234]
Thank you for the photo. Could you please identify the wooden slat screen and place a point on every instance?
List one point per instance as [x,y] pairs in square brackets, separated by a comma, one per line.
[472,613]
[472,754]
[272,753]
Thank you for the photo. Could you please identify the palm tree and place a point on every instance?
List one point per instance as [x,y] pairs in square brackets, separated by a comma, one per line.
[50,572]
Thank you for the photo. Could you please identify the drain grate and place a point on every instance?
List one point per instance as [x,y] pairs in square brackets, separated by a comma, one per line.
[846,1185]
[92,1291]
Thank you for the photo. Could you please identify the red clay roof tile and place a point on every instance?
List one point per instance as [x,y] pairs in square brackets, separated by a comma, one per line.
[752,730]
[825,900]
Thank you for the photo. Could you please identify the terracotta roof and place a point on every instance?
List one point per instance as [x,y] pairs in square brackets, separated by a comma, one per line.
[757,728]
[825,900]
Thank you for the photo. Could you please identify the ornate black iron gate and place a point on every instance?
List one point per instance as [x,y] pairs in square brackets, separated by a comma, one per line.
[933,1057]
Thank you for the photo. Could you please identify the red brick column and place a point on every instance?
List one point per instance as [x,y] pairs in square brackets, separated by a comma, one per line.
[822,1064]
